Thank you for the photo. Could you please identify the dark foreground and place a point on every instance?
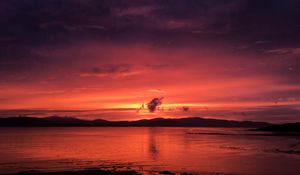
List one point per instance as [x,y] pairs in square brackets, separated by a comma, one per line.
[291,128]
[101,172]
[80,172]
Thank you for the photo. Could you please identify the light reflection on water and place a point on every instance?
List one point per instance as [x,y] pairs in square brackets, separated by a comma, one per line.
[157,148]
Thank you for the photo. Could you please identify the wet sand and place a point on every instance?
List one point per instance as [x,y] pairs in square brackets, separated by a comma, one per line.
[110,172]
[79,172]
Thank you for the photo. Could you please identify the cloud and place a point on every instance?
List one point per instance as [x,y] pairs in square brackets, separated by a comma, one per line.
[112,71]
[135,11]
[48,21]
[157,66]
[84,27]
[185,108]
[154,103]
[276,113]
[284,51]
[157,90]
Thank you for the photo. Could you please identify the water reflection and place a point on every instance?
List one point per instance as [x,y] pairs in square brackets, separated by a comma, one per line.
[153,147]
[159,148]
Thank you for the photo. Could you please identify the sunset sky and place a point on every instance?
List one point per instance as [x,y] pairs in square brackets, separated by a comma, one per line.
[224,59]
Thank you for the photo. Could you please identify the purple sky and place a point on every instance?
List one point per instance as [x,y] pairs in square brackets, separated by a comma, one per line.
[223,59]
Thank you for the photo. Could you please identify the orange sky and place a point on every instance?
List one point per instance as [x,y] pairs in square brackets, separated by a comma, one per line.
[218,61]
[108,76]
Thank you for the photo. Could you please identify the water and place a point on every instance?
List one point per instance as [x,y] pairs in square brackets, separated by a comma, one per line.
[148,149]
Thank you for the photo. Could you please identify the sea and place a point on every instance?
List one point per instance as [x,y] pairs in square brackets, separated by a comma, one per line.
[148,150]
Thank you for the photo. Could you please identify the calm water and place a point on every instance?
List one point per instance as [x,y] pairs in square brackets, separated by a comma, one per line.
[148,149]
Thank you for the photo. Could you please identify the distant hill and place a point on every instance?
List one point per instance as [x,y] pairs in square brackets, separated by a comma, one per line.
[288,127]
[56,121]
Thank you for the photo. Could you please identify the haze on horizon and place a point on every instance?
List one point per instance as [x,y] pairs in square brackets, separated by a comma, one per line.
[104,59]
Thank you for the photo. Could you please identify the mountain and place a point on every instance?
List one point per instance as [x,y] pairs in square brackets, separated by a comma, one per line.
[49,121]
[56,121]
[283,128]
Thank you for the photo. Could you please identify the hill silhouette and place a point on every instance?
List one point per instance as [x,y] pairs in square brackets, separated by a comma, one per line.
[56,121]
[283,128]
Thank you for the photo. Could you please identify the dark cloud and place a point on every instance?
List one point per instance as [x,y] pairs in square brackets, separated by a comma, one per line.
[39,20]
[185,108]
[154,103]
[112,71]
[35,22]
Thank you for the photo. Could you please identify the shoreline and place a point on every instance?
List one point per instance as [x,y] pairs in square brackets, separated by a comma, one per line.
[78,172]
[110,172]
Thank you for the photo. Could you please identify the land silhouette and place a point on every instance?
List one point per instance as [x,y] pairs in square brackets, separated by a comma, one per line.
[57,121]
[282,128]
